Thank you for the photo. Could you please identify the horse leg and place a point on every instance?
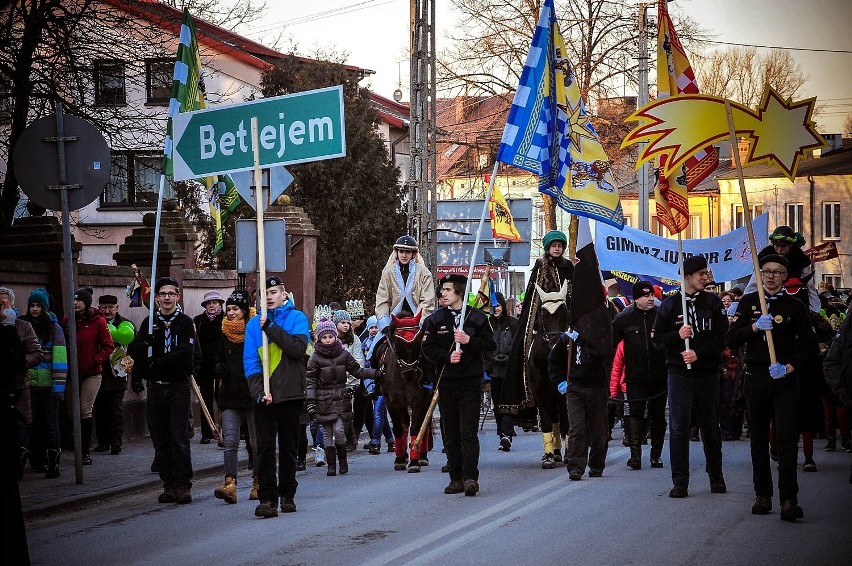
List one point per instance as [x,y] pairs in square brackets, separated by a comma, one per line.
[400,433]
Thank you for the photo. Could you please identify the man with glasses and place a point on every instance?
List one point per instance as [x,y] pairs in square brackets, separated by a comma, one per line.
[773,390]
[165,360]
[693,373]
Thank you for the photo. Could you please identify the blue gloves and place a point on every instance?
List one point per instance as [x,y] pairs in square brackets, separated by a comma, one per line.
[562,387]
[485,377]
[777,371]
[764,322]
[732,310]
[572,334]
[429,387]
[369,387]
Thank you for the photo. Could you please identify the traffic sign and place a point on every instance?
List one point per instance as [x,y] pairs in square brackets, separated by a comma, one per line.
[275,245]
[244,182]
[294,128]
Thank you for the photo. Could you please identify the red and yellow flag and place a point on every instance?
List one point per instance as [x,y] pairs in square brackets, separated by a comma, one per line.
[675,76]
[502,223]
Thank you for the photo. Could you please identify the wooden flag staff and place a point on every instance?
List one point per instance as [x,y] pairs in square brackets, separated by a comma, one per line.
[261,251]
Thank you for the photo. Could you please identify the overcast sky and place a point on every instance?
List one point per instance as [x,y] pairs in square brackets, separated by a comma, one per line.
[375,35]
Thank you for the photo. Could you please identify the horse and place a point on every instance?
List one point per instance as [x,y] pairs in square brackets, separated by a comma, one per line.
[551,321]
[402,386]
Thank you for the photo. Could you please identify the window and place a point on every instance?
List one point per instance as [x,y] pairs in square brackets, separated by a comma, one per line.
[833,280]
[796,217]
[694,226]
[110,89]
[658,228]
[628,220]
[831,221]
[739,214]
[134,180]
[159,75]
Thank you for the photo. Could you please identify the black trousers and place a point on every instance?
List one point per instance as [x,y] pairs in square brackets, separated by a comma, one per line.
[277,421]
[767,398]
[587,427]
[459,404]
[655,410]
[109,417]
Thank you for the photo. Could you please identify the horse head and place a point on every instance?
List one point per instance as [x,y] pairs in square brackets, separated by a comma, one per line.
[553,312]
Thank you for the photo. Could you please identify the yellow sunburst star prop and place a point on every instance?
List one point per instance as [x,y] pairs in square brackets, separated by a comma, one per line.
[781,131]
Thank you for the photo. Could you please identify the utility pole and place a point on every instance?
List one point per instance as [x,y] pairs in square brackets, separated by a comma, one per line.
[422,187]
[642,173]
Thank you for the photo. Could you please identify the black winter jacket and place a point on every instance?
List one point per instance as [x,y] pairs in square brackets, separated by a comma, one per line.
[177,365]
[588,367]
[233,391]
[438,344]
[504,329]
[838,363]
[209,337]
[708,338]
[643,363]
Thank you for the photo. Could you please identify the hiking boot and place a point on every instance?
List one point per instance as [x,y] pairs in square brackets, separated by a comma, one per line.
[831,445]
[52,470]
[87,459]
[445,469]
[595,472]
[183,495]
[679,491]
[471,487]
[320,456]
[288,505]
[717,485]
[656,462]
[455,486]
[168,496]
[375,449]
[762,505]
[790,511]
[100,448]
[255,485]
[390,447]
[846,445]
[505,443]
[266,510]
[575,474]
[810,465]
[115,449]
[301,465]
[634,463]
[227,491]
[547,462]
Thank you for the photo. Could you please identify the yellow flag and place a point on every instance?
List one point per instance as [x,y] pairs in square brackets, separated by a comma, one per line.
[502,223]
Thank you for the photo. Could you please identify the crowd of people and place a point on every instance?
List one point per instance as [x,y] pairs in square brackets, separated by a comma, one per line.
[710,361]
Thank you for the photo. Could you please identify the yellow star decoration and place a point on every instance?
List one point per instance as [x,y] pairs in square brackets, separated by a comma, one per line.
[579,127]
[680,126]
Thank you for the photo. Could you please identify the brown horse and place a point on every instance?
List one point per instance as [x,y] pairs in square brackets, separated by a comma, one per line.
[551,322]
[402,386]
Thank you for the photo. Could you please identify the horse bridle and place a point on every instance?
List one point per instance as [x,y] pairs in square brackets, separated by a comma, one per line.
[404,367]
[549,337]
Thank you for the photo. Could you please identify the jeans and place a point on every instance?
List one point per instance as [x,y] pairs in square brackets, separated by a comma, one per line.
[109,417]
[588,427]
[460,424]
[381,424]
[702,393]
[779,398]
[231,421]
[277,421]
[168,420]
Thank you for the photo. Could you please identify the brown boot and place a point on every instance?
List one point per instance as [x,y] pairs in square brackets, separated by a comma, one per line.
[331,460]
[228,490]
[254,487]
[341,457]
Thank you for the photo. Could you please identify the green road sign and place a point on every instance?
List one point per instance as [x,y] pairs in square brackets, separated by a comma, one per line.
[294,128]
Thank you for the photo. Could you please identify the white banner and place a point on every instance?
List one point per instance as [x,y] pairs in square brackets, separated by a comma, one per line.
[636,251]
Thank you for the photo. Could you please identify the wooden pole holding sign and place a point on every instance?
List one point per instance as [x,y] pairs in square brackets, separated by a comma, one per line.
[261,251]
[770,344]
[682,288]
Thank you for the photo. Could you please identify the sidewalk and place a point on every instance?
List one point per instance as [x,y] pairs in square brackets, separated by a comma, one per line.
[113,475]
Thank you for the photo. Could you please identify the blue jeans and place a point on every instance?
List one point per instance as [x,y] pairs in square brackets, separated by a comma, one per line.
[168,421]
[381,424]
[702,392]
[277,421]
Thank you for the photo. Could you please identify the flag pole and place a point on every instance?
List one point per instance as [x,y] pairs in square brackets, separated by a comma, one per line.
[261,250]
[682,287]
[770,344]
[154,260]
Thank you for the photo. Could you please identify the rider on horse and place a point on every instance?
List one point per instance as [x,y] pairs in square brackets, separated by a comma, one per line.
[549,273]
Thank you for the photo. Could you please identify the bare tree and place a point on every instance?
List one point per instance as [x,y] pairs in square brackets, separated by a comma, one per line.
[742,74]
[227,14]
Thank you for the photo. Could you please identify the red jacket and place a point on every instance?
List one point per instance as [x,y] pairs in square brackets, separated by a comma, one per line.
[617,385]
[94,344]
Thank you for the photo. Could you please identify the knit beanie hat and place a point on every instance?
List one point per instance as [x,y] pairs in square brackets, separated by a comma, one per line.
[372,321]
[241,299]
[553,236]
[39,296]
[325,326]
[84,296]
[642,289]
[341,316]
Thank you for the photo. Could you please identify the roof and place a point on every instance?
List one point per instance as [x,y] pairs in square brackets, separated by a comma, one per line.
[467,122]
[391,111]
[837,162]
[210,35]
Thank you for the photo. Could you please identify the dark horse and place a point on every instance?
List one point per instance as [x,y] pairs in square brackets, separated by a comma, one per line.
[402,386]
[551,321]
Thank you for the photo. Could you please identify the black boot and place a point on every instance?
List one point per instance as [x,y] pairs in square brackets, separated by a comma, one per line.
[52,463]
[341,456]
[24,456]
[331,460]
[86,439]
[637,431]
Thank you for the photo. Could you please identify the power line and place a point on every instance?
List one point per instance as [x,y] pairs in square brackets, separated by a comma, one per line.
[779,47]
[307,18]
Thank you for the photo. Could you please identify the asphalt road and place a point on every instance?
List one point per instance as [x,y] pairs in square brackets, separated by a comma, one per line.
[523,515]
